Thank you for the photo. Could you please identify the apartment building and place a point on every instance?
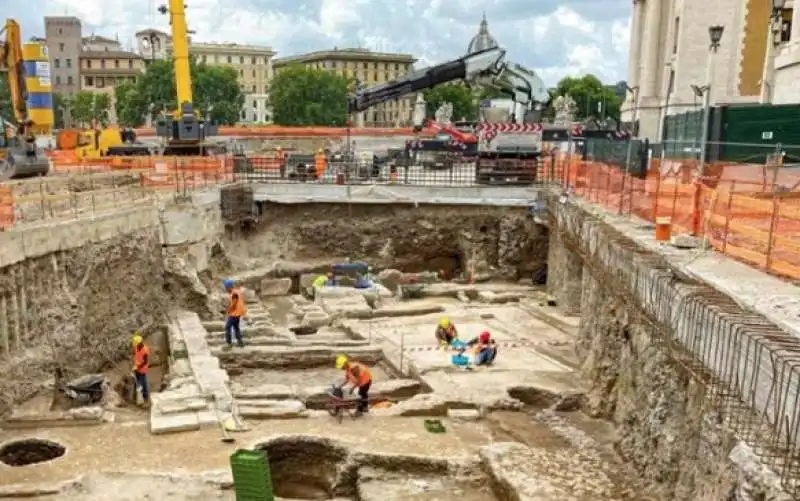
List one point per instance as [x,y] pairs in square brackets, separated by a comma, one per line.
[104,65]
[367,68]
[786,65]
[670,53]
[253,63]
[63,36]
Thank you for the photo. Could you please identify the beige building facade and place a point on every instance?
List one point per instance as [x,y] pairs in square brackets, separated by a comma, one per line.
[105,66]
[787,57]
[670,53]
[366,68]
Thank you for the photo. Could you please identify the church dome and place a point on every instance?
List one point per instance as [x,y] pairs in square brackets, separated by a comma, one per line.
[483,40]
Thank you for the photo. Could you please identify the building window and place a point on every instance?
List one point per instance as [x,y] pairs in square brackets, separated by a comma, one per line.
[61,47]
[102,63]
[786,27]
[254,89]
[397,66]
[130,64]
[241,73]
[100,82]
[89,81]
[204,59]
[255,104]
[60,31]
[69,63]
[333,64]
[375,76]
[88,63]
[57,62]
[254,73]
[69,81]
[116,63]
[241,59]
[58,80]
[229,59]
[253,60]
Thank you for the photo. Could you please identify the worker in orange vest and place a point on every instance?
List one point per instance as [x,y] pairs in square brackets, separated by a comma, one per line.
[141,365]
[235,311]
[357,375]
[320,163]
[280,156]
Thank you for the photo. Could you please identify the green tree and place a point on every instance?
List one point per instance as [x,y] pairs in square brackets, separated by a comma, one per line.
[592,98]
[215,92]
[87,106]
[308,96]
[59,105]
[457,94]
[129,105]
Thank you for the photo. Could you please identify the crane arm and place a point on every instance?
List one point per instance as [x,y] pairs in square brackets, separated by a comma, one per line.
[484,64]
[11,62]
[180,49]
[524,86]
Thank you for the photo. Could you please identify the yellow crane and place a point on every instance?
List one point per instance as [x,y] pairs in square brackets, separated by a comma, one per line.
[184,131]
[27,68]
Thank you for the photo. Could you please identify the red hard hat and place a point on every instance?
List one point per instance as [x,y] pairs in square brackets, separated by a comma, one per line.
[484,337]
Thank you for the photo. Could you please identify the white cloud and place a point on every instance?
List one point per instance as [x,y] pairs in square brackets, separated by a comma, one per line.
[553,37]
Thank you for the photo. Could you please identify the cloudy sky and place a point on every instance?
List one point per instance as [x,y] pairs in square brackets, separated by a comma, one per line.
[553,37]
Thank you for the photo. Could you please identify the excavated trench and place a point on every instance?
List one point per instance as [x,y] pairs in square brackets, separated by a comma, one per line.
[303,467]
[30,451]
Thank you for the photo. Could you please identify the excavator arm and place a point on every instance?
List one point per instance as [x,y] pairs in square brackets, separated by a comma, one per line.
[12,64]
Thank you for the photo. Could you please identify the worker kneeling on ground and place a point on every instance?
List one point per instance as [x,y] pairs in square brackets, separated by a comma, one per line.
[141,364]
[485,348]
[321,281]
[235,311]
[446,332]
[357,375]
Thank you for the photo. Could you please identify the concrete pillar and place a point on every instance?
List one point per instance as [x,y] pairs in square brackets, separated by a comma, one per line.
[650,49]
[634,57]
[795,34]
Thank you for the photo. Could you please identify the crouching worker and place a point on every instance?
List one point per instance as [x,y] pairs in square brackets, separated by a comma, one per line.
[319,282]
[235,311]
[446,332]
[357,375]
[485,348]
[141,364]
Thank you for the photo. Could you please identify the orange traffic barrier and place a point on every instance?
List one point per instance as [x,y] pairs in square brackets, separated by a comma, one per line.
[732,211]
[6,208]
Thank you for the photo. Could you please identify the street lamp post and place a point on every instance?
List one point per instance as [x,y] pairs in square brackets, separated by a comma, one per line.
[634,91]
[714,35]
[773,40]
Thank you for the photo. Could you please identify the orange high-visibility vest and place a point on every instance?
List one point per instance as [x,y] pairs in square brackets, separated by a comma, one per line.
[364,375]
[141,359]
[319,164]
[236,306]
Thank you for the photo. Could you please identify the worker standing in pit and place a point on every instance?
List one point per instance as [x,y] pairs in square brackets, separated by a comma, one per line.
[320,164]
[357,375]
[281,158]
[141,365]
[235,311]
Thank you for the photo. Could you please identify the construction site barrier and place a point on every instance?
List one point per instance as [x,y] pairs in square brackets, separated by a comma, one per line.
[6,208]
[751,218]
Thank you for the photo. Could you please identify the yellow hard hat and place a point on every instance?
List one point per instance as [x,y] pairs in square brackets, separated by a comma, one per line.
[444,322]
[320,150]
[137,339]
[340,361]
[279,148]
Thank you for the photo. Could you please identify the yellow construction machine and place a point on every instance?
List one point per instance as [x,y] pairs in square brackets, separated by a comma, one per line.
[184,132]
[27,68]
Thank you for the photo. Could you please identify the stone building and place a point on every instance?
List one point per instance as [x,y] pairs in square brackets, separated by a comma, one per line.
[104,65]
[670,53]
[63,36]
[787,59]
[367,68]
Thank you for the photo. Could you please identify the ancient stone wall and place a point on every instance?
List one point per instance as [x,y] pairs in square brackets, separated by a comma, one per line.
[672,429]
[497,240]
[76,308]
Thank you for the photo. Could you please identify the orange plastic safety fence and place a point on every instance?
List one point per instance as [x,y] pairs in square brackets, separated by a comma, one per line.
[279,131]
[735,215]
[6,208]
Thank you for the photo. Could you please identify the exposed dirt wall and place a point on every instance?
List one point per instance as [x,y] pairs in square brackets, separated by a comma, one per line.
[504,241]
[77,309]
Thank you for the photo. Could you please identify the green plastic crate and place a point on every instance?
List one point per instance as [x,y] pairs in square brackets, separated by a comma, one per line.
[251,477]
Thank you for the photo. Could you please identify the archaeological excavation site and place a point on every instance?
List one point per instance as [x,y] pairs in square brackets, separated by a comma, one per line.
[610,377]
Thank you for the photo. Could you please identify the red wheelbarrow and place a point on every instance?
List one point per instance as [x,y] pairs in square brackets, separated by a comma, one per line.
[339,404]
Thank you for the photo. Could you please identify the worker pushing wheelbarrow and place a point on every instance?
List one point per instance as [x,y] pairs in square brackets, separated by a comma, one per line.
[357,377]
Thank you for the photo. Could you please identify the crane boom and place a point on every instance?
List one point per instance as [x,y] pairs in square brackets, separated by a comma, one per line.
[184,131]
[180,48]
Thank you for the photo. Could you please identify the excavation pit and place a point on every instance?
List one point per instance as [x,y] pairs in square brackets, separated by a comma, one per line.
[319,376]
[30,451]
[306,468]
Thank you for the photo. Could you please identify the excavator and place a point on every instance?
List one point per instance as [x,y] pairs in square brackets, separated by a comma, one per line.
[184,132]
[28,71]
[507,153]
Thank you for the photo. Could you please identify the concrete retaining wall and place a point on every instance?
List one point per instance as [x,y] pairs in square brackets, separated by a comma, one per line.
[647,331]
